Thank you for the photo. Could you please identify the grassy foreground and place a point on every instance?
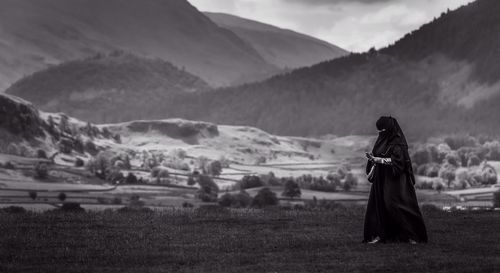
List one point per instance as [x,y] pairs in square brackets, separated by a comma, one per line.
[240,241]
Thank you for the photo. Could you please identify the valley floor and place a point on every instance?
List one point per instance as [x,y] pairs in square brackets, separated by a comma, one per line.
[215,240]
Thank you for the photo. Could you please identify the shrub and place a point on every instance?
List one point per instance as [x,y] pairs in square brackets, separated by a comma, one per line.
[489,175]
[62,197]
[79,162]
[208,191]
[117,201]
[191,181]
[496,199]
[136,202]
[176,164]
[241,200]
[33,195]
[187,205]
[131,179]
[421,156]
[422,170]
[9,165]
[91,148]
[473,161]
[13,210]
[343,171]
[453,159]
[260,160]
[458,141]
[430,170]
[463,179]
[493,150]
[215,168]
[224,162]
[265,197]
[248,182]
[321,184]
[12,149]
[41,154]
[78,145]
[439,187]
[270,179]
[350,182]
[41,171]
[102,200]
[100,165]
[442,150]
[115,176]
[447,173]
[72,207]
[226,200]
[65,146]
[291,190]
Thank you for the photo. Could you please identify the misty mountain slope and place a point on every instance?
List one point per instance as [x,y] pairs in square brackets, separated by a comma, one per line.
[438,79]
[106,88]
[35,34]
[281,47]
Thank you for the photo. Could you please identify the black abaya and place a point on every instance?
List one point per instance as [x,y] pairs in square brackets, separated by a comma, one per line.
[392,212]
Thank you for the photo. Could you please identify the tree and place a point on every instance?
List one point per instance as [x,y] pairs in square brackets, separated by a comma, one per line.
[62,197]
[41,154]
[79,162]
[250,181]
[215,168]
[131,179]
[265,197]
[64,124]
[208,191]
[41,170]
[33,195]
[447,173]
[292,189]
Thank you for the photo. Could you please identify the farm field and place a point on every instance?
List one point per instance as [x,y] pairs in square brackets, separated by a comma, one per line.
[215,240]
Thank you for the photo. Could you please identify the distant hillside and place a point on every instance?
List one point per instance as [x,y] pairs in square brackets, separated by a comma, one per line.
[107,88]
[281,47]
[442,78]
[24,130]
[37,33]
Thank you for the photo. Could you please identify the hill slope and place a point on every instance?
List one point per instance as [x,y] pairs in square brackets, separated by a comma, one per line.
[441,78]
[281,47]
[35,34]
[107,88]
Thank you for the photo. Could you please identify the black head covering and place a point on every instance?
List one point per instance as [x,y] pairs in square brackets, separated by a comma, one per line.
[391,136]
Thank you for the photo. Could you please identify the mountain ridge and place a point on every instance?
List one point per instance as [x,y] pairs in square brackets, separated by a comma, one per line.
[282,47]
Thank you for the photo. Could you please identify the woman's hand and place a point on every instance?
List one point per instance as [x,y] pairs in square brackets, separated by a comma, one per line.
[370,157]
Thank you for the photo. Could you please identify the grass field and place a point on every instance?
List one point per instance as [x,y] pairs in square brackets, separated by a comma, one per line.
[214,240]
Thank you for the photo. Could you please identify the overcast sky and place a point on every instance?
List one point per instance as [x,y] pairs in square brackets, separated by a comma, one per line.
[355,25]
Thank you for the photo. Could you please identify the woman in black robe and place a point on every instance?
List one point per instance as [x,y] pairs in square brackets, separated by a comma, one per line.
[392,213]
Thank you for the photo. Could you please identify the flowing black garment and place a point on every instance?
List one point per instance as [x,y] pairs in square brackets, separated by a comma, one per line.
[392,212]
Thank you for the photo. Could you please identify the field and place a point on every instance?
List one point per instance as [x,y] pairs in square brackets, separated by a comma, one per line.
[215,240]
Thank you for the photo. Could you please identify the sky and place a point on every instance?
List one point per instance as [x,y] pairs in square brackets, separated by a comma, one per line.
[355,25]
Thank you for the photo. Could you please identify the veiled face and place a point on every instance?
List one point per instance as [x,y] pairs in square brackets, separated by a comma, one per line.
[384,124]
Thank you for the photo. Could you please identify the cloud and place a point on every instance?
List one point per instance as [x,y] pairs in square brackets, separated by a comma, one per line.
[336,2]
[355,25]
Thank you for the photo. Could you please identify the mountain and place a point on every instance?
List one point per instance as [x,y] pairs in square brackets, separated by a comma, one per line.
[281,47]
[35,34]
[441,78]
[107,88]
